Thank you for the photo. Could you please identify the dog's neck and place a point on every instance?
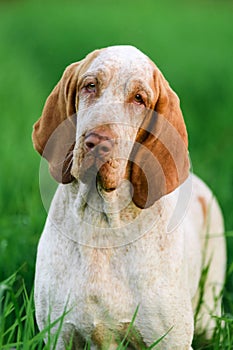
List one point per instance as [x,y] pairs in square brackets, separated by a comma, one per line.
[100,218]
[114,207]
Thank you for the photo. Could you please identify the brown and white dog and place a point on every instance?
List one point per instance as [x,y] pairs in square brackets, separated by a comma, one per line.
[129,225]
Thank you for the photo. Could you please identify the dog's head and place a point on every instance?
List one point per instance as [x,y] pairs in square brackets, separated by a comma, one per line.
[114,117]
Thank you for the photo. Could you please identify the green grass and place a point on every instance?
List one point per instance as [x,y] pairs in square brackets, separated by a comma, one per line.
[190,41]
[18,328]
[17,320]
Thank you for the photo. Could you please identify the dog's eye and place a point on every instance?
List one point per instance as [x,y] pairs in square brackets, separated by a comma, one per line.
[90,87]
[138,99]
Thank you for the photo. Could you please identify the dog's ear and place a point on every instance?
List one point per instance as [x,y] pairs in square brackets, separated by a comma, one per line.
[54,133]
[160,160]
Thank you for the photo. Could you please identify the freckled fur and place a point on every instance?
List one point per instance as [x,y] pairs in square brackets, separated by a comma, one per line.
[101,256]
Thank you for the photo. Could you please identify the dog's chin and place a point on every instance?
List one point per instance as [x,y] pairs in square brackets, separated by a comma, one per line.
[107,178]
[106,187]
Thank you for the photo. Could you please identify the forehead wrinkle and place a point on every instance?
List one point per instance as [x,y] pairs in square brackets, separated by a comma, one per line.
[96,73]
[139,84]
[125,67]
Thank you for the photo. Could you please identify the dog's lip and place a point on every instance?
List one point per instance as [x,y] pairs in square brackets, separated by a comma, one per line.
[110,189]
[105,192]
[105,185]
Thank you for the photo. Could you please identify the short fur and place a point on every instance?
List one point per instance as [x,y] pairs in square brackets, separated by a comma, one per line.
[129,226]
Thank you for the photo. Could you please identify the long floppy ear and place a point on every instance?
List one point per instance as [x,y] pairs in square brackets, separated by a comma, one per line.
[54,133]
[160,160]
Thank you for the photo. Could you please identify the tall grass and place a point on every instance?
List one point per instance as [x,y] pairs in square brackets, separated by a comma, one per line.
[18,329]
[190,41]
[17,322]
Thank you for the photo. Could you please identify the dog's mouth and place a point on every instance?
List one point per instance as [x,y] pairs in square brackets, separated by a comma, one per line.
[109,189]
[107,172]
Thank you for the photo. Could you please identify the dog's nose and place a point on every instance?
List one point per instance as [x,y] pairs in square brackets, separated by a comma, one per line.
[100,145]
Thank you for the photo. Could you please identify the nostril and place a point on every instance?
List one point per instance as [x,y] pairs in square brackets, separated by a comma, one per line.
[104,149]
[91,141]
[99,145]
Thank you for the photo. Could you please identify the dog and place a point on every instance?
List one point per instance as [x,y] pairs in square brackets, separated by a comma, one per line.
[130,228]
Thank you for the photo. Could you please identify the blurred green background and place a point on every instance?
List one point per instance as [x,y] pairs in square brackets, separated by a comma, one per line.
[191,42]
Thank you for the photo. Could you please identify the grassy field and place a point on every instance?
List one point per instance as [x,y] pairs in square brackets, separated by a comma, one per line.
[190,41]
[18,330]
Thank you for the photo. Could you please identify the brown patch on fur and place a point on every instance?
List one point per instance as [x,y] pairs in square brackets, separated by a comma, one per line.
[101,336]
[162,164]
[104,337]
[204,208]
[53,138]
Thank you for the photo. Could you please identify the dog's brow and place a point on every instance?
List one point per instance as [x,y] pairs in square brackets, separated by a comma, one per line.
[88,75]
[97,135]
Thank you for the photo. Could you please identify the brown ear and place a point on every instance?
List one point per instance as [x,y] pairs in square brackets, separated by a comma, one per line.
[54,133]
[160,160]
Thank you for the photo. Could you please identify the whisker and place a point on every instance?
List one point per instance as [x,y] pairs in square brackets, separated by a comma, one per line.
[66,158]
[68,166]
[68,155]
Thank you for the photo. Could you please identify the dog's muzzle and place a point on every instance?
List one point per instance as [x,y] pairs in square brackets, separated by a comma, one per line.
[100,162]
